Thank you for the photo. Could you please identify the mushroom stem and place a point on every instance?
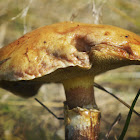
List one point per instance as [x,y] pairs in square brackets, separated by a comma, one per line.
[81,97]
[81,123]
[82,117]
[80,93]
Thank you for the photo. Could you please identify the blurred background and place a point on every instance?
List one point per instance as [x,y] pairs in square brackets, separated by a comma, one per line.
[25,119]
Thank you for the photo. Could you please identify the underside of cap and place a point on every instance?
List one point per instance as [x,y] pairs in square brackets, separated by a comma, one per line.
[71,49]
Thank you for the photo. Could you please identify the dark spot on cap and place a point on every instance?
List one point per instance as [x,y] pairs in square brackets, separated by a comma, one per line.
[44,65]
[18,42]
[107,33]
[55,54]
[19,74]
[126,36]
[44,42]
[82,44]
[128,50]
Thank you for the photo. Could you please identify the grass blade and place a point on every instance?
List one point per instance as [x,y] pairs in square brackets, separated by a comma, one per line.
[129,117]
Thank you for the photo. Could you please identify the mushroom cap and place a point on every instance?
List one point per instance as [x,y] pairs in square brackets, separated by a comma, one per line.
[55,52]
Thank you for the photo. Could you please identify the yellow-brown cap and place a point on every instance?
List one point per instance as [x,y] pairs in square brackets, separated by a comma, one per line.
[69,45]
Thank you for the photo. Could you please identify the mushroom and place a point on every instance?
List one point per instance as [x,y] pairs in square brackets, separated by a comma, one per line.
[72,54]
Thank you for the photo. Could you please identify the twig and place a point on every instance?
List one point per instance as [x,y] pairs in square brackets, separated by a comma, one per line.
[102,88]
[117,120]
[4,60]
[97,10]
[77,11]
[59,118]
[23,15]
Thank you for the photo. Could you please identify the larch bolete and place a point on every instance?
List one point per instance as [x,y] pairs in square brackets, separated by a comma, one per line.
[72,54]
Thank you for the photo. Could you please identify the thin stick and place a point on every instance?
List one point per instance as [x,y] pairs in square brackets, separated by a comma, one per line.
[59,118]
[4,60]
[117,120]
[102,88]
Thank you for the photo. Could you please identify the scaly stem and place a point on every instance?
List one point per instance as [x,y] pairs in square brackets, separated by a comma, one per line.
[82,117]
[81,124]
